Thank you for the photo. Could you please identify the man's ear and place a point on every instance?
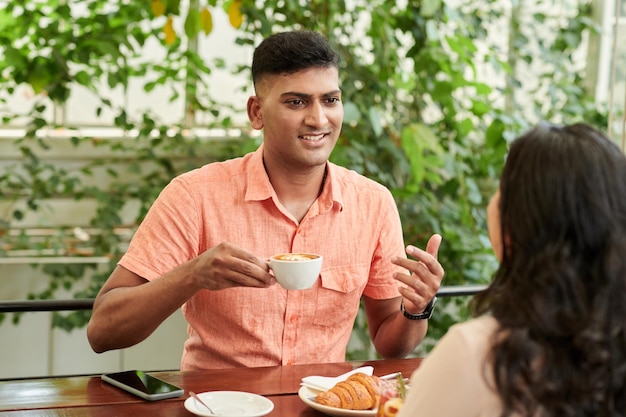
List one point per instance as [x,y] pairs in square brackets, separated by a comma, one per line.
[254,112]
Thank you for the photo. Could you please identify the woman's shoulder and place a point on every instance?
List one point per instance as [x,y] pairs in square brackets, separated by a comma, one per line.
[482,324]
[475,331]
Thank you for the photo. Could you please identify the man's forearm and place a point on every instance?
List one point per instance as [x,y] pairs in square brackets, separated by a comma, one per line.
[399,336]
[126,315]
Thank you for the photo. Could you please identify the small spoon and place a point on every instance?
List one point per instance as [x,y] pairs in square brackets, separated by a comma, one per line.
[195,397]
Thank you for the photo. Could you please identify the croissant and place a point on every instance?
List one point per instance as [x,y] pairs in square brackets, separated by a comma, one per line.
[359,392]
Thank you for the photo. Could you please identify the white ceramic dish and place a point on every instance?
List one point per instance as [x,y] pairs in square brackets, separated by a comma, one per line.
[230,404]
[324,383]
[306,394]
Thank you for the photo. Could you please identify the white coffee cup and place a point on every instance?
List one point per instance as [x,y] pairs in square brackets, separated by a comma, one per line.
[296,271]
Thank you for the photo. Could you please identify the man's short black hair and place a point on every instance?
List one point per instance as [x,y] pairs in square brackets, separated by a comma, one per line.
[289,52]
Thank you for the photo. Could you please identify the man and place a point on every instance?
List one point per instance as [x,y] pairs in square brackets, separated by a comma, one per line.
[204,243]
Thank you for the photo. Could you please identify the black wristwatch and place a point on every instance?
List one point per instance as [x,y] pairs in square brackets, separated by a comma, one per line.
[424,315]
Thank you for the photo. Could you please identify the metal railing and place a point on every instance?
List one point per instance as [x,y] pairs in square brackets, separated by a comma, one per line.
[46,305]
[87,303]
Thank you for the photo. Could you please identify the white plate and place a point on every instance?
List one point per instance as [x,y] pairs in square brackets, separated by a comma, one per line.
[325,383]
[306,395]
[230,404]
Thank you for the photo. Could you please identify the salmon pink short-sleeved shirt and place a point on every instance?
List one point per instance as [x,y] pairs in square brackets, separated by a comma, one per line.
[354,224]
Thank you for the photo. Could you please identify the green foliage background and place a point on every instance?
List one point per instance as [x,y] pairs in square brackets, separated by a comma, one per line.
[433,91]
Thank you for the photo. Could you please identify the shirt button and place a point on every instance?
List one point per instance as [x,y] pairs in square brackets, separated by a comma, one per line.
[293,319]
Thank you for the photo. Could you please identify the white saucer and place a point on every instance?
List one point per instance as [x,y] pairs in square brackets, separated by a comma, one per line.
[230,404]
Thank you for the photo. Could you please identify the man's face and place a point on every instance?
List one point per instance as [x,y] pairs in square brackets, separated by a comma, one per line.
[300,114]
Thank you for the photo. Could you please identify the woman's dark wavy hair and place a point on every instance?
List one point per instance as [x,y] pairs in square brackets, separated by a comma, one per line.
[289,52]
[559,294]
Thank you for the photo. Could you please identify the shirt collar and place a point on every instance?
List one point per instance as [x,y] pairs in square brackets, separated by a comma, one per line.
[258,183]
[259,187]
[331,193]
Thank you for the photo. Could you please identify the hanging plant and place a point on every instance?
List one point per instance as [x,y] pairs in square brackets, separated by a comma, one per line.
[419,117]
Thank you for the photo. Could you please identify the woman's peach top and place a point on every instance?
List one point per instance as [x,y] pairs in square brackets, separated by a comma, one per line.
[453,381]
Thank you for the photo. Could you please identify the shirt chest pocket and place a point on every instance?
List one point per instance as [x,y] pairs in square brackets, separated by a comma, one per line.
[339,295]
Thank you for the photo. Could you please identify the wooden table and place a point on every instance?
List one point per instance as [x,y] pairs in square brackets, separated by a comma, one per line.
[88,396]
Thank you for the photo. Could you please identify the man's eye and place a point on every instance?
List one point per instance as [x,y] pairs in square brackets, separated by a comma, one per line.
[333,100]
[296,102]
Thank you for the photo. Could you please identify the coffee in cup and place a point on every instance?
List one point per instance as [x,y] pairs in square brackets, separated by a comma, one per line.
[296,271]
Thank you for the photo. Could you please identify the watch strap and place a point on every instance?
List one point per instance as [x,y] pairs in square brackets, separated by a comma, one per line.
[426,314]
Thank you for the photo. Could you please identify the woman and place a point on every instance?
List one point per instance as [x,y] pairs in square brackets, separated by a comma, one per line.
[550,337]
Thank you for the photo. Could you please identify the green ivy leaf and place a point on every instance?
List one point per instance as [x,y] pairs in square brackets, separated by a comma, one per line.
[430,7]
[173,7]
[38,76]
[375,120]
[83,78]
[351,113]
[192,24]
